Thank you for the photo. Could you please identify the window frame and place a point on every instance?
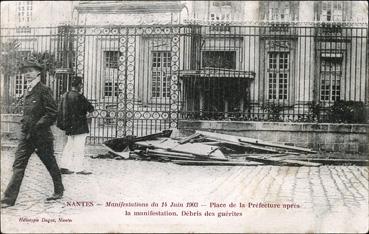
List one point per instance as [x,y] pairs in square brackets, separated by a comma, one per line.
[111,87]
[335,10]
[18,91]
[163,84]
[277,71]
[330,80]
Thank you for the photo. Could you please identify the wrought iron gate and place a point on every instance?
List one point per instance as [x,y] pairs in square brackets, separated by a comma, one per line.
[131,75]
[144,78]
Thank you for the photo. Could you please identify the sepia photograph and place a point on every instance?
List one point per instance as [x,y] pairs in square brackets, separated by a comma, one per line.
[184,116]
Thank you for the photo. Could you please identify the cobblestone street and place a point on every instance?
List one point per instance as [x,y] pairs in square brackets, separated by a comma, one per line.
[326,198]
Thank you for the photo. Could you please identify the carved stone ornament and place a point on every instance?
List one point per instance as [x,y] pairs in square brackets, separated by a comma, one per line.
[278,45]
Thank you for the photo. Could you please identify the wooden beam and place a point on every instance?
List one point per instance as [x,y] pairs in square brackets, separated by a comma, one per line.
[245,145]
[226,137]
[162,152]
[215,163]
[292,162]
[334,161]
[187,139]
[281,161]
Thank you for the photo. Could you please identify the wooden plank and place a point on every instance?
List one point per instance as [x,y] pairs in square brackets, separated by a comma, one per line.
[200,150]
[119,144]
[189,138]
[290,147]
[291,162]
[158,144]
[215,163]
[281,161]
[334,161]
[248,145]
[257,155]
[258,142]
[169,156]
[162,152]
[245,145]
[197,149]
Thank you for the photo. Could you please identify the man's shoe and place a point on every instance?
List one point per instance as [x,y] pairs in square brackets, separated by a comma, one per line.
[66,171]
[84,173]
[6,204]
[55,196]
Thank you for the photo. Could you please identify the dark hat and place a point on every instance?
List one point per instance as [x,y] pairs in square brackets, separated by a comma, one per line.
[29,64]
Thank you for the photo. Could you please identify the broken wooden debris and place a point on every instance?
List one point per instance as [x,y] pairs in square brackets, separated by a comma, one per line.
[217,163]
[207,148]
[281,161]
[120,144]
[232,138]
[189,138]
[333,161]
[162,152]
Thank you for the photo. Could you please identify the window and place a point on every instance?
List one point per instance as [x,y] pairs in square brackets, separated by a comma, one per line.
[219,59]
[220,10]
[20,82]
[279,11]
[111,89]
[331,11]
[20,85]
[284,11]
[111,59]
[24,11]
[111,85]
[160,74]
[278,75]
[219,13]
[330,76]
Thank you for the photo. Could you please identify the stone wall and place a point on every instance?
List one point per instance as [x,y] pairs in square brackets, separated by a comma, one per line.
[329,137]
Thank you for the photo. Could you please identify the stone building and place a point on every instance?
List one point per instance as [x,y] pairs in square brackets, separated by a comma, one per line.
[300,52]
[32,24]
[147,64]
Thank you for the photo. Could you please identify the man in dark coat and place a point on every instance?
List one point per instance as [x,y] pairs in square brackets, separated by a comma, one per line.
[72,111]
[39,114]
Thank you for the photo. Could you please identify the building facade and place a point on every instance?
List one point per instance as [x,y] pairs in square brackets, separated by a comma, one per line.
[33,27]
[302,54]
[147,64]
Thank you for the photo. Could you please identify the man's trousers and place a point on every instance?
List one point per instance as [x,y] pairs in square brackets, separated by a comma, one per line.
[43,146]
[74,153]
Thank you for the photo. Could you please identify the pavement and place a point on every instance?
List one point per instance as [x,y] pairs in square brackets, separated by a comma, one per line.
[242,199]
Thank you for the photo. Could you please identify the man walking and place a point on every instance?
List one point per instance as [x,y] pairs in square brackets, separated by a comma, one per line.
[39,114]
[72,112]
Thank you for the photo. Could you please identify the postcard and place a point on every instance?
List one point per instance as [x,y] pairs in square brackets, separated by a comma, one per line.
[184,116]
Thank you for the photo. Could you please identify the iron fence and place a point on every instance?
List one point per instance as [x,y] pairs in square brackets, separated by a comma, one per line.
[143,79]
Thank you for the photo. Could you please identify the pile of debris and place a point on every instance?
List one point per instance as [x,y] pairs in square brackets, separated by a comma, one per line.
[210,148]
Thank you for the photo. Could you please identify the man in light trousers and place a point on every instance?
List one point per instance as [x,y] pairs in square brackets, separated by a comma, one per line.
[74,106]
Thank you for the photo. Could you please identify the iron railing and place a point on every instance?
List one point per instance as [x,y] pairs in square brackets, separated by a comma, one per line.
[143,79]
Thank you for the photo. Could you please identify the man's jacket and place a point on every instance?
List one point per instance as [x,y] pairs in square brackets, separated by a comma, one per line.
[73,108]
[39,112]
